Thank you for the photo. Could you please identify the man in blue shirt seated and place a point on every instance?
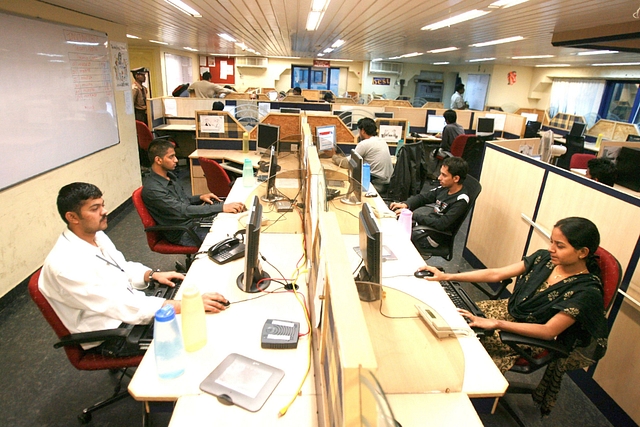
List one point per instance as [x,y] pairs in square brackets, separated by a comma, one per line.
[443,206]
[169,203]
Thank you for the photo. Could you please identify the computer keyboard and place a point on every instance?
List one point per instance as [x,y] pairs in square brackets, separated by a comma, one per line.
[461,299]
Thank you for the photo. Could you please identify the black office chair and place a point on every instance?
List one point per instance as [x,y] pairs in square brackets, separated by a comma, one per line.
[445,249]
[409,173]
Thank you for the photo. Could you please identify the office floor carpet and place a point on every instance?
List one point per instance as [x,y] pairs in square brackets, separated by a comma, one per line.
[39,387]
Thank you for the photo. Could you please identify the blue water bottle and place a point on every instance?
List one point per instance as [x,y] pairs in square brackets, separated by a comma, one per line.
[366,176]
[247,173]
[167,344]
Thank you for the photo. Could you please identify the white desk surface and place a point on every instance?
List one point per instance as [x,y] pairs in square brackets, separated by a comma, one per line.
[176,127]
[237,329]
[481,376]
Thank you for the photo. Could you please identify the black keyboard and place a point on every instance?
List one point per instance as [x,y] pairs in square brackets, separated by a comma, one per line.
[143,334]
[461,299]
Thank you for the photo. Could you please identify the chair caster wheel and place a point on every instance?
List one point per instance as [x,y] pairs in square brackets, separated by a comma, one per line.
[84,418]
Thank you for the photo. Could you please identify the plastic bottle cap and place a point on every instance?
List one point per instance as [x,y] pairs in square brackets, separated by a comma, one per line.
[165,313]
[190,291]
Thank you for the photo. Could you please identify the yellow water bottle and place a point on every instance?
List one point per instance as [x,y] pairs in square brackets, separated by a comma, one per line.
[194,326]
[245,142]
[598,141]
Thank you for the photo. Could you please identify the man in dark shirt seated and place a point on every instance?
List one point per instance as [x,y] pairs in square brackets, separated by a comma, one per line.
[168,202]
[451,130]
[450,200]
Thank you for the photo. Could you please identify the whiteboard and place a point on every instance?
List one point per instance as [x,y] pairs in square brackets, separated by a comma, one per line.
[58,103]
[475,91]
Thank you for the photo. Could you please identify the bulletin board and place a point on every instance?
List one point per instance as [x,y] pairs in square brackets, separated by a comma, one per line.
[222,69]
[58,104]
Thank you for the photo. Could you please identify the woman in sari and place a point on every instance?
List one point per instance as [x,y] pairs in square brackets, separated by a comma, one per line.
[558,295]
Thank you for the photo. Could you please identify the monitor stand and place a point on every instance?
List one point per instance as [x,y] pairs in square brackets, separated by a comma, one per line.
[350,199]
[253,288]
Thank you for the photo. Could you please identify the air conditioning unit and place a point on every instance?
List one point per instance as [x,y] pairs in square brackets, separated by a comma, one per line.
[385,67]
[252,61]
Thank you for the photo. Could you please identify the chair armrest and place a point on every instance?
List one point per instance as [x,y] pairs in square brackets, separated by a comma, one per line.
[85,337]
[515,340]
[493,294]
[427,228]
[188,230]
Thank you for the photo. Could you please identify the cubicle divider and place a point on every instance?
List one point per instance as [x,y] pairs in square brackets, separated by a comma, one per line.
[515,185]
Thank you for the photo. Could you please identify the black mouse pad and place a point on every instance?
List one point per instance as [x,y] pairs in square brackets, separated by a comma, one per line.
[242,381]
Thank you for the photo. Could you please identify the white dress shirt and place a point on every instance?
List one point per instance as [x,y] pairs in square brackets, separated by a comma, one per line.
[92,288]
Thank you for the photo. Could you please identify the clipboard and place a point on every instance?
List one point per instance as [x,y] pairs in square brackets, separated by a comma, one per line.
[241,381]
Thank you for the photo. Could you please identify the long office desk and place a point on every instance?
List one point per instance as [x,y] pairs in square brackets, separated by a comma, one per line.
[238,330]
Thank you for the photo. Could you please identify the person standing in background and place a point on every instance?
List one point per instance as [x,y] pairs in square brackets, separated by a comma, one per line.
[457,102]
[206,89]
[140,94]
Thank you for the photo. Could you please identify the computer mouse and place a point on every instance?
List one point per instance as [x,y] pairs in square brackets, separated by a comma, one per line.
[421,274]
[225,303]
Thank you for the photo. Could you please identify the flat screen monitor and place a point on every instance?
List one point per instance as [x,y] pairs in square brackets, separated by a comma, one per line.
[383,115]
[290,110]
[354,195]
[633,138]
[577,129]
[435,124]
[325,137]
[370,246]
[254,278]
[485,126]
[531,129]
[268,135]
[627,168]
[271,194]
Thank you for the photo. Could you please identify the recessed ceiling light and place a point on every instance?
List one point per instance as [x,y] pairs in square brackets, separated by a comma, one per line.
[318,7]
[481,59]
[597,52]
[376,60]
[499,41]
[552,65]
[395,57]
[184,8]
[337,44]
[532,57]
[444,49]
[131,36]
[440,63]
[411,55]
[328,50]
[321,54]
[227,37]
[190,49]
[505,3]
[472,14]
[156,41]
[617,64]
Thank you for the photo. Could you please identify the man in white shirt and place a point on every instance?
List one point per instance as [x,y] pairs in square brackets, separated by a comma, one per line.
[88,282]
[457,102]
[375,151]
[205,89]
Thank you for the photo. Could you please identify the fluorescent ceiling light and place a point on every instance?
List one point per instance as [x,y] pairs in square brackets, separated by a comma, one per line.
[337,44]
[156,41]
[532,57]
[184,8]
[597,52]
[321,54]
[376,60]
[505,3]
[285,57]
[481,59]
[190,49]
[395,57]
[227,37]
[242,46]
[318,7]
[444,49]
[131,36]
[618,64]
[411,55]
[51,55]
[440,63]
[499,41]
[328,50]
[472,14]
[552,65]
[84,43]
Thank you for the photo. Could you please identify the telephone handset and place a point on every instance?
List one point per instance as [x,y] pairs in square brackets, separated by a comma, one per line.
[227,250]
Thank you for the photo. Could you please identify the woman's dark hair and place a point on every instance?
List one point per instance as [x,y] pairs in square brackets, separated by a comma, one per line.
[582,233]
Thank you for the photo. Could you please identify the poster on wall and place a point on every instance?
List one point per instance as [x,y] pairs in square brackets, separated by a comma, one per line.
[381,81]
[120,60]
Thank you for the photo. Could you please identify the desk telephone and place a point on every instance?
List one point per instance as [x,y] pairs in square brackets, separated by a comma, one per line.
[436,323]
[228,249]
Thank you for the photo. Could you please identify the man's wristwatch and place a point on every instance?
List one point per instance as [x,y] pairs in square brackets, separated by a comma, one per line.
[152,273]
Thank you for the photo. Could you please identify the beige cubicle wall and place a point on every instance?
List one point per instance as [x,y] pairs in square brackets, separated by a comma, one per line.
[417,117]
[514,184]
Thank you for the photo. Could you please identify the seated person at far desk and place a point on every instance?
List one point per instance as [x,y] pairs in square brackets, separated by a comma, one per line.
[89,283]
[602,170]
[374,151]
[206,89]
[450,199]
[558,296]
[450,131]
[169,204]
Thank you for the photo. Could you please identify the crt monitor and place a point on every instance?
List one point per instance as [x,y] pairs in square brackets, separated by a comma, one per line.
[383,115]
[435,124]
[272,194]
[253,279]
[577,129]
[290,110]
[485,126]
[354,195]
[268,135]
[370,246]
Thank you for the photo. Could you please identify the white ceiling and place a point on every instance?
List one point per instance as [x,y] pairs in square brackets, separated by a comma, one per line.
[370,28]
